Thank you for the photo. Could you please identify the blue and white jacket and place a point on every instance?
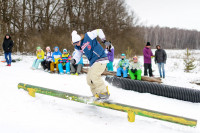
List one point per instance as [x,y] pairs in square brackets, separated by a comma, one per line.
[91,47]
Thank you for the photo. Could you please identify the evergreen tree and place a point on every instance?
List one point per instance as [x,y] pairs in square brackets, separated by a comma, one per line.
[188,61]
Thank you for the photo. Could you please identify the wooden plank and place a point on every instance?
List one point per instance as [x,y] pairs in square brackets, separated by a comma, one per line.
[144,78]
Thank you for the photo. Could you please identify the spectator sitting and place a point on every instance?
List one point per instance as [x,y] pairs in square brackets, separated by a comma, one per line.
[122,66]
[76,68]
[135,69]
[64,61]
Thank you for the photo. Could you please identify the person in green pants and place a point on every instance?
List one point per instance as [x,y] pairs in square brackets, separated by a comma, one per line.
[135,69]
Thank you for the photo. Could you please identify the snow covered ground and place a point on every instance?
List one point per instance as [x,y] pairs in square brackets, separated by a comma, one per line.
[20,113]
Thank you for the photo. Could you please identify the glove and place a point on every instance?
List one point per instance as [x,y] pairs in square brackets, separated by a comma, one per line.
[103,41]
[107,43]
[133,70]
[73,61]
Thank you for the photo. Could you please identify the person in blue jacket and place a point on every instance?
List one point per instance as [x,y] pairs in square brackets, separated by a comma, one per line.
[122,66]
[87,43]
[55,57]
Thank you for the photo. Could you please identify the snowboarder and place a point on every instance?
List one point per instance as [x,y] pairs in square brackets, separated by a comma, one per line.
[135,69]
[147,59]
[64,61]
[55,57]
[110,53]
[160,59]
[48,59]
[76,68]
[122,66]
[40,58]
[7,47]
[88,44]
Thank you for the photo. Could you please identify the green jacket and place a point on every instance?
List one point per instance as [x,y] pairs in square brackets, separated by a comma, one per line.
[137,65]
[123,63]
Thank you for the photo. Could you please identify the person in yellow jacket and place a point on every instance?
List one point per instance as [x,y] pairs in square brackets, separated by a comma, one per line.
[40,58]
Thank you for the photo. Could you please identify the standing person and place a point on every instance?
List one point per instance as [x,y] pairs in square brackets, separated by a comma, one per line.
[122,66]
[87,43]
[40,58]
[7,47]
[76,68]
[48,59]
[64,61]
[147,59]
[110,53]
[55,57]
[160,58]
[135,69]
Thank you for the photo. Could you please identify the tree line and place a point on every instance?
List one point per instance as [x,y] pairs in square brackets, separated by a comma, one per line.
[44,23]
[33,23]
[172,38]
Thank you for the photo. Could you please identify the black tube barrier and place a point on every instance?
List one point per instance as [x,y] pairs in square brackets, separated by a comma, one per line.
[180,93]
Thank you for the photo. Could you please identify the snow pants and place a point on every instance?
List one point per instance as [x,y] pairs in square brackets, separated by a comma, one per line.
[138,74]
[36,63]
[94,79]
[46,64]
[120,70]
[52,66]
[60,67]
[148,67]
[110,66]
[76,68]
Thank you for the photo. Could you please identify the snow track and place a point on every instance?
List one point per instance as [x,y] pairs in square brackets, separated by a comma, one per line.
[20,113]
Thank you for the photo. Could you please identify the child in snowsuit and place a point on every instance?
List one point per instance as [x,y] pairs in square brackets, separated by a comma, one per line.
[122,66]
[55,57]
[97,57]
[48,59]
[64,61]
[110,53]
[76,68]
[40,58]
[135,69]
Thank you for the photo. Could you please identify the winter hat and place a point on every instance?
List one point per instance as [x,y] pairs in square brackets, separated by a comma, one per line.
[148,44]
[7,35]
[38,48]
[123,54]
[65,50]
[48,48]
[57,48]
[135,57]
[75,37]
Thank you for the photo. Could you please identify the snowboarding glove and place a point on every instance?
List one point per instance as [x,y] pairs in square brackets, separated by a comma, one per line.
[133,70]
[107,43]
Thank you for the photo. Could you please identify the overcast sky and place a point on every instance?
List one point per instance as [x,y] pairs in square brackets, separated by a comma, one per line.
[171,13]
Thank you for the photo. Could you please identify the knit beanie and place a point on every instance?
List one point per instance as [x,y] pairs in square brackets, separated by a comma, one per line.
[135,57]
[38,48]
[148,44]
[123,54]
[65,50]
[75,37]
[48,48]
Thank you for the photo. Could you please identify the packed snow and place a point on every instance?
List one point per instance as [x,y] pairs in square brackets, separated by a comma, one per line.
[21,113]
